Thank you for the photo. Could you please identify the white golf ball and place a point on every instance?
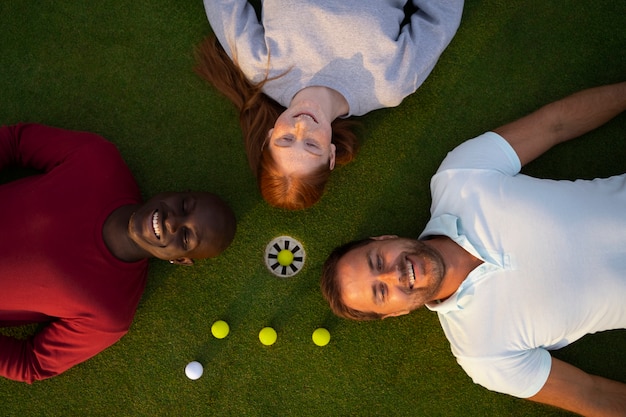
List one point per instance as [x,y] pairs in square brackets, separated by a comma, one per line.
[194,370]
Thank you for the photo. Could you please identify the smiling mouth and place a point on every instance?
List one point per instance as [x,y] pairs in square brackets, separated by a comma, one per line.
[308,115]
[155,225]
[410,273]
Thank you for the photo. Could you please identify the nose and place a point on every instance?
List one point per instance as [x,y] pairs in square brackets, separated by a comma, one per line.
[172,222]
[392,277]
[298,131]
[301,126]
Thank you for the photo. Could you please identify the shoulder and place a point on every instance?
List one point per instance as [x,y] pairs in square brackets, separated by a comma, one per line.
[520,374]
[496,356]
[487,151]
[474,166]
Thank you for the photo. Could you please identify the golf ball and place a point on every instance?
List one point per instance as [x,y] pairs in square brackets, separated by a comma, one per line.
[220,329]
[285,257]
[267,336]
[194,370]
[321,337]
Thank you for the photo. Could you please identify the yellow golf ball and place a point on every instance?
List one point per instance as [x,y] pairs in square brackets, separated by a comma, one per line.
[267,336]
[321,337]
[285,257]
[220,329]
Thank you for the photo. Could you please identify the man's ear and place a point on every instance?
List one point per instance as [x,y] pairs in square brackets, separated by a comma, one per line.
[396,314]
[182,261]
[384,237]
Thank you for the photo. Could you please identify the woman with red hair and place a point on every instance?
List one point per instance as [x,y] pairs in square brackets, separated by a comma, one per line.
[297,74]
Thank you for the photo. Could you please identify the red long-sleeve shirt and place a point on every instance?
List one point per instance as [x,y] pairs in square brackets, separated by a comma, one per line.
[54,265]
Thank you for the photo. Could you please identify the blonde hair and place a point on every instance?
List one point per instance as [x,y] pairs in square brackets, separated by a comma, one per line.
[257,115]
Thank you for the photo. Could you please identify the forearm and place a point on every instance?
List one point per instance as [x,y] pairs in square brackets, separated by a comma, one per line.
[563,120]
[610,398]
[584,111]
[589,395]
[607,398]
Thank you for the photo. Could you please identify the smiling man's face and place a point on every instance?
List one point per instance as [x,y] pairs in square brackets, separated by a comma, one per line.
[175,226]
[390,276]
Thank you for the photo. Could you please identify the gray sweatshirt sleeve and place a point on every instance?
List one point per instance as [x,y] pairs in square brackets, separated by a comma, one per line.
[431,29]
[236,26]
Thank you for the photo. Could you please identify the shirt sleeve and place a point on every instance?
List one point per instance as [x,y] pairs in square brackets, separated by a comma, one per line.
[40,147]
[56,348]
[488,151]
[236,26]
[521,375]
[424,39]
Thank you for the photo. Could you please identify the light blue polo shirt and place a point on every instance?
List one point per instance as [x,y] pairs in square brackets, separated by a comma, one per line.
[554,266]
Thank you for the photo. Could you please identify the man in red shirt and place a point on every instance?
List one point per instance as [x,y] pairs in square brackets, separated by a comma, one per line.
[75,244]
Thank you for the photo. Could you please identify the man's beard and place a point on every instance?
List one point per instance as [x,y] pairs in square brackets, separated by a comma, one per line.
[434,271]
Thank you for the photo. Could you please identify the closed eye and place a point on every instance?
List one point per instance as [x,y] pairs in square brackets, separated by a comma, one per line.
[375,262]
[313,147]
[380,293]
[185,238]
[284,141]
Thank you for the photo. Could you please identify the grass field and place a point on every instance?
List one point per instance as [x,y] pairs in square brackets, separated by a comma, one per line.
[123,69]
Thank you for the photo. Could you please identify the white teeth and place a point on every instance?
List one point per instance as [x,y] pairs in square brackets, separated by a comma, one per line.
[411,273]
[155,224]
[310,117]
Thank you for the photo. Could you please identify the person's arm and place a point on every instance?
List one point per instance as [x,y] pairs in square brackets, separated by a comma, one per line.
[574,390]
[563,120]
[40,147]
[53,350]
[236,26]
[429,32]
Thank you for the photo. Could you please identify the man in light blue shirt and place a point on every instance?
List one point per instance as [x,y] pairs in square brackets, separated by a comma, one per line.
[514,266]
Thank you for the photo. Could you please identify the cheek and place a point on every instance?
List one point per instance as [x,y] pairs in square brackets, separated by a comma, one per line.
[326,135]
[281,123]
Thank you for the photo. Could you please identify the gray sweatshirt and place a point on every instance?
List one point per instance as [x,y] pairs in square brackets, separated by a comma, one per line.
[356,47]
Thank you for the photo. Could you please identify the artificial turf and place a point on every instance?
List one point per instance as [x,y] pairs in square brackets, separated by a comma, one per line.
[123,69]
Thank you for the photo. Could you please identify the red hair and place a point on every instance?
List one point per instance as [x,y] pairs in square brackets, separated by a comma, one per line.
[257,115]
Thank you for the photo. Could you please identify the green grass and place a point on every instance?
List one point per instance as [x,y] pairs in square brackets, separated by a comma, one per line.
[123,69]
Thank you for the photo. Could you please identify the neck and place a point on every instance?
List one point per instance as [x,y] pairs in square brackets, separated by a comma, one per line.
[459,263]
[116,237]
[330,101]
